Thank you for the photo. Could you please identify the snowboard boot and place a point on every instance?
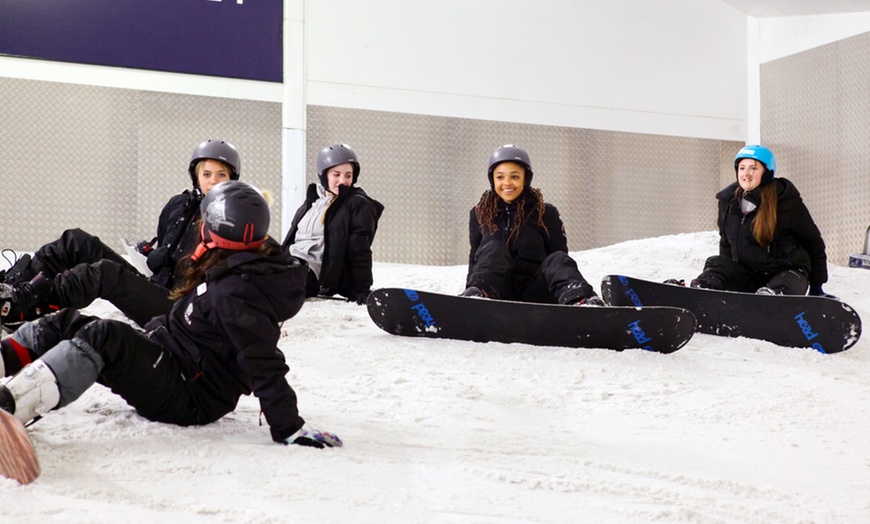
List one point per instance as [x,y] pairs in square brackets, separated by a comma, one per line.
[20,272]
[30,393]
[573,295]
[768,291]
[7,293]
[27,301]
[593,301]
[701,283]
[473,291]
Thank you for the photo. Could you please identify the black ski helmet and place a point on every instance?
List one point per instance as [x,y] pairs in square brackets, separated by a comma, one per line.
[235,215]
[510,153]
[215,149]
[335,155]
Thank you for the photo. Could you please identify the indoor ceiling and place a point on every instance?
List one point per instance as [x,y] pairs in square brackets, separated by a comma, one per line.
[769,8]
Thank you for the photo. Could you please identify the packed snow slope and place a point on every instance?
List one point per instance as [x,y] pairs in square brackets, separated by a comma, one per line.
[724,430]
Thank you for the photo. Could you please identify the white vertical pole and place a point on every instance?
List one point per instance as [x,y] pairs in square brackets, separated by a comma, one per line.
[293,112]
[753,82]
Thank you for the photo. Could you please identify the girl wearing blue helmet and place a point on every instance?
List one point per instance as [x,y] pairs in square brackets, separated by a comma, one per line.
[768,242]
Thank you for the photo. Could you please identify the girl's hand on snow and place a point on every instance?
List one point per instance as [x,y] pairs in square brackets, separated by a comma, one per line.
[314,439]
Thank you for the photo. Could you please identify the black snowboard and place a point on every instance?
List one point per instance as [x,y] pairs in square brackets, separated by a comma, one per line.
[421,314]
[824,324]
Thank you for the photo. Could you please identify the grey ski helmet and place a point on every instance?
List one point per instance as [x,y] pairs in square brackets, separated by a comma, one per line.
[510,153]
[215,149]
[235,215]
[334,155]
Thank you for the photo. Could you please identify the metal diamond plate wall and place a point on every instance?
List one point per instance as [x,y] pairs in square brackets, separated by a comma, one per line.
[107,160]
[816,119]
[609,187]
[69,160]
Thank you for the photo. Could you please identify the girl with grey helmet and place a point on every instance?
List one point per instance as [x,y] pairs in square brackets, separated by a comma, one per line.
[768,242]
[334,228]
[190,366]
[519,250]
[213,161]
[138,296]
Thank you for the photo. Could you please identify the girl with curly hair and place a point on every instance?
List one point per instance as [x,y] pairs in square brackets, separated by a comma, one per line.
[519,250]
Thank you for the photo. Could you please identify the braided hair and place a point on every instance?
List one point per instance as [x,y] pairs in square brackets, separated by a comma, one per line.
[487,210]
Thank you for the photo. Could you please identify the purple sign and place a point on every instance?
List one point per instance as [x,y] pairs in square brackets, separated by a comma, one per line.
[227,38]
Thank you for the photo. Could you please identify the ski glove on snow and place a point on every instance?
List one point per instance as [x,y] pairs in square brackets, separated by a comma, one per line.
[314,439]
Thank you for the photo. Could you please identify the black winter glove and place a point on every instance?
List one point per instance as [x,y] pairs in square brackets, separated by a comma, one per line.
[158,258]
[145,247]
[360,297]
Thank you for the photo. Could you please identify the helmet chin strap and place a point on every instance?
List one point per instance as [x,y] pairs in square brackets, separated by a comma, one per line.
[206,244]
[200,249]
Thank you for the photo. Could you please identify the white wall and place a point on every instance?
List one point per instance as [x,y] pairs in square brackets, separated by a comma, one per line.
[676,67]
[669,68]
[122,78]
[672,67]
[666,68]
[784,36]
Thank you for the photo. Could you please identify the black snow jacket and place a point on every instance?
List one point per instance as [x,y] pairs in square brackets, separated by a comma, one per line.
[531,245]
[177,237]
[797,242]
[226,332]
[350,225]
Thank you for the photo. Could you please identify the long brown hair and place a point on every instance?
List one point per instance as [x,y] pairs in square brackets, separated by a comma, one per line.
[764,223]
[194,274]
[487,209]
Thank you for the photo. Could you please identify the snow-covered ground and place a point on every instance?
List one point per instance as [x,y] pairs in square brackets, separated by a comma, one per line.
[724,430]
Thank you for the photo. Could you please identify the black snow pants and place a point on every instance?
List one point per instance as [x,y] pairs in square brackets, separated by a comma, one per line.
[84,269]
[557,280]
[74,247]
[726,274]
[81,350]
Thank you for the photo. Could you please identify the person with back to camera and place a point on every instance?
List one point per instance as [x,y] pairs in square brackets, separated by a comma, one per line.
[38,285]
[768,242]
[334,228]
[190,366]
[519,250]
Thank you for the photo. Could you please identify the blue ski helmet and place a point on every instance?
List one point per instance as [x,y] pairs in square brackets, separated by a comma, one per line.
[763,155]
[510,153]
